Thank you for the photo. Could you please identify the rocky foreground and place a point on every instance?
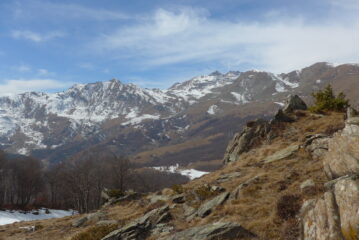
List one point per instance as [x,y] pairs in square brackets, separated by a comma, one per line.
[294,177]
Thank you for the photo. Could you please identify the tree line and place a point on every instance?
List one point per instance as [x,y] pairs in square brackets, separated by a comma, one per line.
[77,183]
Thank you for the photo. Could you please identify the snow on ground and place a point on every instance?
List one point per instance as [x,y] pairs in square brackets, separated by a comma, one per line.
[139,119]
[239,97]
[280,104]
[8,217]
[190,173]
[212,109]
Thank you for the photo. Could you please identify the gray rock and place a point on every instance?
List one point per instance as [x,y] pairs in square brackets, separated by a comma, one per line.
[106,222]
[309,183]
[214,231]
[330,185]
[228,176]
[282,154]
[294,103]
[280,116]
[208,207]
[321,220]
[155,198]
[252,133]
[79,222]
[235,194]
[180,198]
[128,197]
[141,227]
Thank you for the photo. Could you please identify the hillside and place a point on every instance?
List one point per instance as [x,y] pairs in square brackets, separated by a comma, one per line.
[189,122]
[291,178]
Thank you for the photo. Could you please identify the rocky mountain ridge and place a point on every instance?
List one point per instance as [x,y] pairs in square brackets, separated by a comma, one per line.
[114,113]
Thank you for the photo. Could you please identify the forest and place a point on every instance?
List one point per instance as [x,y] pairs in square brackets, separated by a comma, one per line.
[27,183]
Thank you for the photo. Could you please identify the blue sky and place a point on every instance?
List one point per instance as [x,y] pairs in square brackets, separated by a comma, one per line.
[48,45]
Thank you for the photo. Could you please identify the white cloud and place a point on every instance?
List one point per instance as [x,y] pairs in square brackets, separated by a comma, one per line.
[37,37]
[22,68]
[9,87]
[189,35]
[61,11]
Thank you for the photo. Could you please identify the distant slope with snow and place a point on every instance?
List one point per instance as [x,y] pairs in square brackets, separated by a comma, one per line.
[8,217]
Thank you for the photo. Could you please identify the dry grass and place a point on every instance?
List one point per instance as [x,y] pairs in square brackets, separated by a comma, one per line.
[255,209]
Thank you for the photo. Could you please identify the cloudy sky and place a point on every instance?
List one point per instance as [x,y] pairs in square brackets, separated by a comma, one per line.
[48,45]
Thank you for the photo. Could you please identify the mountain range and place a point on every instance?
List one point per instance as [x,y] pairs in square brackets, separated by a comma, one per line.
[189,122]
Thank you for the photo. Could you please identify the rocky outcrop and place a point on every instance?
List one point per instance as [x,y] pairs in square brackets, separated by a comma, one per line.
[317,145]
[90,218]
[335,216]
[321,219]
[282,154]
[253,132]
[129,196]
[141,227]
[294,102]
[214,231]
[209,206]
[228,176]
[235,194]
[256,131]
[343,155]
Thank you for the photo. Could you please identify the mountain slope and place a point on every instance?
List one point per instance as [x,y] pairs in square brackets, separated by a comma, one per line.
[265,194]
[131,120]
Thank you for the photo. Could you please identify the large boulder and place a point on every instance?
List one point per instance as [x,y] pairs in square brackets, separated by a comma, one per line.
[214,231]
[321,220]
[252,133]
[209,206]
[347,198]
[317,145]
[141,227]
[343,154]
[294,102]
[282,154]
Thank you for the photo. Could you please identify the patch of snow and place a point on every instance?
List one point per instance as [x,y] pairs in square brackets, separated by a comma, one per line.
[318,81]
[190,173]
[239,97]
[139,119]
[280,104]
[212,109]
[8,217]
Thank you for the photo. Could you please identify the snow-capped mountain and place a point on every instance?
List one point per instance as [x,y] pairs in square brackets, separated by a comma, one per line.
[125,115]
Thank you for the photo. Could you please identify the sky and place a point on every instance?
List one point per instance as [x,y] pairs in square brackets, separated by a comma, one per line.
[49,45]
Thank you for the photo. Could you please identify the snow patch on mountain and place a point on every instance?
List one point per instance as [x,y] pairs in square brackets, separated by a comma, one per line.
[8,217]
[239,97]
[212,109]
[190,173]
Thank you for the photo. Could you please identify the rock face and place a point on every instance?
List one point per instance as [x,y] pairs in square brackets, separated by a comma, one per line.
[214,231]
[242,142]
[294,103]
[209,206]
[141,227]
[317,145]
[336,215]
[282,154]
[343,154]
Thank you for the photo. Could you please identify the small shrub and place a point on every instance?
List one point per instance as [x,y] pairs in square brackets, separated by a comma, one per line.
[115,193]
[204,192]
[177,188]
[325,101]
[95,233]
[288,206]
